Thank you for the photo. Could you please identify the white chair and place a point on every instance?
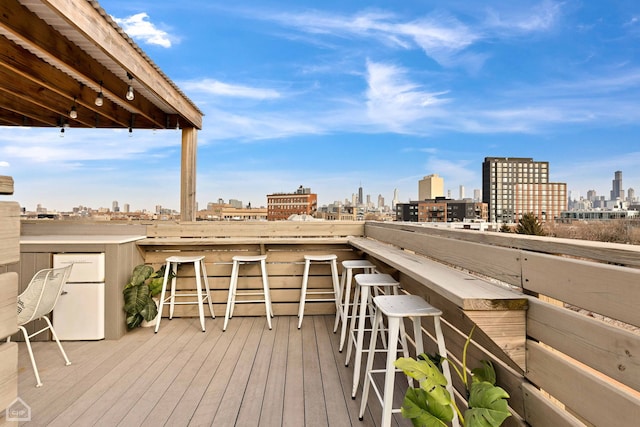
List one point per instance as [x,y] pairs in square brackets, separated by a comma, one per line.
[200,271]
[334,293]
[396,308]
[348,267]
[36,302]
[233,287]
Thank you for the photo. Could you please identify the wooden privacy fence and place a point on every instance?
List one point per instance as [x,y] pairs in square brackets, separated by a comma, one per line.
[284,242]
[588,363]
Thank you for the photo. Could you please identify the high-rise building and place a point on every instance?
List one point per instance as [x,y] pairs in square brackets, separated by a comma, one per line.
[395,200]
[360,198]
[617,192]
[430,187]
[631,195]
[114,206]
[280,206]
[512,187]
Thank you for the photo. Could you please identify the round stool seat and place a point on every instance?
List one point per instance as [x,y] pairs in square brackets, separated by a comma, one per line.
[358,263]
[330,257]
[249,258]
[405,306]
[184,258]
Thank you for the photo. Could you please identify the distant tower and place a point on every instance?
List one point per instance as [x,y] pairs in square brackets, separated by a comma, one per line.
[395,200]
[617,191]
[461,192]
[360,198]
[631,195]
[380,201]
[430,187]
[591,195]
[114,206]
[477,195]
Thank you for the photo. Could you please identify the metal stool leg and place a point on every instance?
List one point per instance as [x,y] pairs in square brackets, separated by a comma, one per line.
[162,294]
[233,284]
[303,292]
[267,296]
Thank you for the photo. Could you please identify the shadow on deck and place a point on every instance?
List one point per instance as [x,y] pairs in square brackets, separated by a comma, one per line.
[246,376]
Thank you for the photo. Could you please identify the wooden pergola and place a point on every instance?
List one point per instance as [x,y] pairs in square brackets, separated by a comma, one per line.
[59,55]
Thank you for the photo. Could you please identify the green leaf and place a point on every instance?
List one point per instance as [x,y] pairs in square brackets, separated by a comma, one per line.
[424,410]
[486,373]
[428,375]
[487,405]
[150,311]
[155,285]
[136,298]
[140,273]
[134,320]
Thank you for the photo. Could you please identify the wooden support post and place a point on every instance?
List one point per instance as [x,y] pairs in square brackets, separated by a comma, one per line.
[188,174]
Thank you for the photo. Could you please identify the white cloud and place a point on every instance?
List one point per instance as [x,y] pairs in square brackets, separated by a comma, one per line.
[218,88]
[139,27]
[4,164]
[539,18]
[394,100]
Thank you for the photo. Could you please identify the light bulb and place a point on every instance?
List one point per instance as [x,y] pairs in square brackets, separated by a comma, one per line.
[73,113]
[130,94]
[99,99]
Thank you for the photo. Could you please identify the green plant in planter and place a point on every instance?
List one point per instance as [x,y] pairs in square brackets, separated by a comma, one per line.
[145,283]
[431,405]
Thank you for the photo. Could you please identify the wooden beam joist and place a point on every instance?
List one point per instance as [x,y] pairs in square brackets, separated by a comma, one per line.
[21,25]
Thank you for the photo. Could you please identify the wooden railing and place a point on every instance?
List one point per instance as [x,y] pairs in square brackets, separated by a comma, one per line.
[580,369]
[557,317]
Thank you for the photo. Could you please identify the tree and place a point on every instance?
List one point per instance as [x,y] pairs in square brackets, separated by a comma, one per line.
[529,224]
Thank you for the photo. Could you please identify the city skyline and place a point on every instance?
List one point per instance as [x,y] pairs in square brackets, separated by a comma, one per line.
[336,95]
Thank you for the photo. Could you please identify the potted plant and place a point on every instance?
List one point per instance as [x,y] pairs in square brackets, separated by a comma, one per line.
[431,405]
[139,293]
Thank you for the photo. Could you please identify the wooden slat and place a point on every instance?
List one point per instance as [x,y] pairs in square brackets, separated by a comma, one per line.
[276,229]
[614,253]
[476,257]
[540,411]
[596,399]
[6,184]
[8,301]
[605,289]
[606,348]
[8,375]
[9,232]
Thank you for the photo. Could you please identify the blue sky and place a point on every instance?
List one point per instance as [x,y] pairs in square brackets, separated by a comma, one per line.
[336,94]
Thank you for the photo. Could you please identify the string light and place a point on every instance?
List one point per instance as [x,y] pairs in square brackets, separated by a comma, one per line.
[100,97]
[73,113]
[130,95]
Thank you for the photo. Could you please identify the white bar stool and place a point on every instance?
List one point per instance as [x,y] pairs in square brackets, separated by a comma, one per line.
[319,259]
[233,287]
[364,283]
[397,307]
[200,274]
[348,266]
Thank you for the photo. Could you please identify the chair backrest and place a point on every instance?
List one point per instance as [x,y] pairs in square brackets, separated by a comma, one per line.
[42,293]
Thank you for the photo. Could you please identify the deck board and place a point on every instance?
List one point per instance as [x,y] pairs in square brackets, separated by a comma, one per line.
[246,376]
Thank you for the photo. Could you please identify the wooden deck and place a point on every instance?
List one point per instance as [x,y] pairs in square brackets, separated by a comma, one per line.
[246,376]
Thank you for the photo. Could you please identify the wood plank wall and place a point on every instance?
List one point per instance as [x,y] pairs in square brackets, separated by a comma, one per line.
[9,255]
[591,366]
[285,262]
